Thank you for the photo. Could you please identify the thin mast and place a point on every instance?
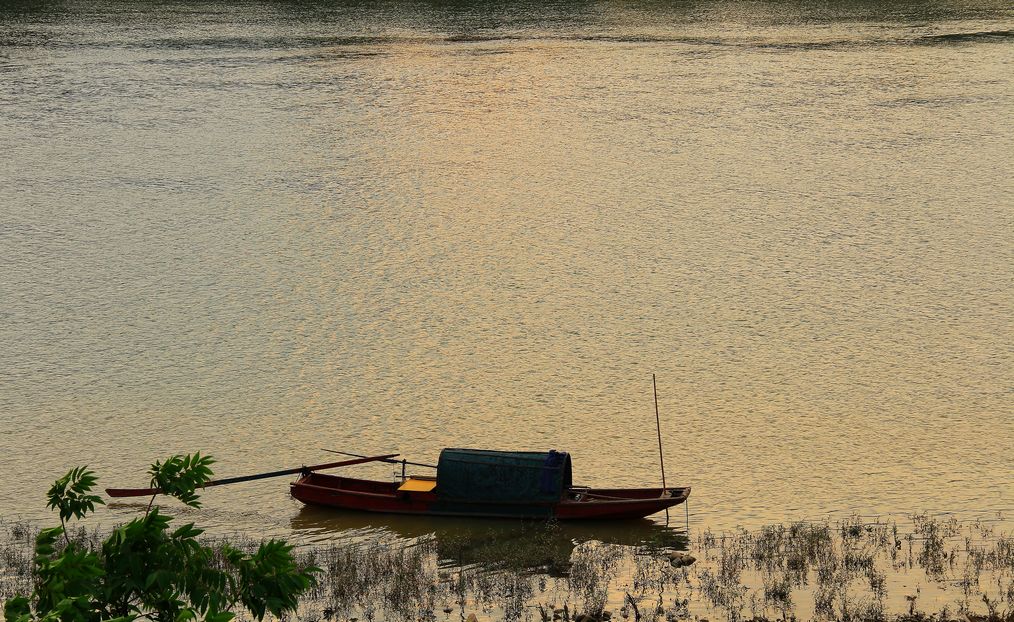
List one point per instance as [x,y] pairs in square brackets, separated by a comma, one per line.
[658,429]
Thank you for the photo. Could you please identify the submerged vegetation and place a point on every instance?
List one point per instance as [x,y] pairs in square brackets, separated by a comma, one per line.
[848,571]
[934,569]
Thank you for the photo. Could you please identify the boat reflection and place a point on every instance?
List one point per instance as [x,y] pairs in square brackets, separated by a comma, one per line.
[521,545]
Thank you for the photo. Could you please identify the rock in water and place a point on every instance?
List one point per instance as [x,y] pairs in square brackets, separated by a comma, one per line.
[680,559]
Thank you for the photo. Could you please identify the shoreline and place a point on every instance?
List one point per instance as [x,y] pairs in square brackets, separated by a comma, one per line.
[852,569]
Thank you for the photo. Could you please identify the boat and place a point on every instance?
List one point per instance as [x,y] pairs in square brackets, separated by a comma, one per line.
[487,483]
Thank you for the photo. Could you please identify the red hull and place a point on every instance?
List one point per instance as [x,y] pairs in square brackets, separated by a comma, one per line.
[577,504]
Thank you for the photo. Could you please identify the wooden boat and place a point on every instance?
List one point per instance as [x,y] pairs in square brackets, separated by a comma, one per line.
[483,483]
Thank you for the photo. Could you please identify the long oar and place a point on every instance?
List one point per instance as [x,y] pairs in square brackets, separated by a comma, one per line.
[146,492]
[345,453]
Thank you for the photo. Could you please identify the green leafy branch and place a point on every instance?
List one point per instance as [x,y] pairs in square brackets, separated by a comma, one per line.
[180,476]
[70,496]
[146,569]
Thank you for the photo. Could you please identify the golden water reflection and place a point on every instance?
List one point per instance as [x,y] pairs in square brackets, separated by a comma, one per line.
[524,545]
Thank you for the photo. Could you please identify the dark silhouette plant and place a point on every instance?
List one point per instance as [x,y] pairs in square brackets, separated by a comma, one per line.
[145,569]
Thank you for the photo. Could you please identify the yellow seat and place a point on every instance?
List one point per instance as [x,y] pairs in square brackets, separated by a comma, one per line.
[418,484]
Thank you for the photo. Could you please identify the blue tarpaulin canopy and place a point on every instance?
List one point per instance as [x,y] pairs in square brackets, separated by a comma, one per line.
[475,475]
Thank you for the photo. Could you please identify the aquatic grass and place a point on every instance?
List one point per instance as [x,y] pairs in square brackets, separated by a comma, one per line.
[933,556]
[16,558]
[851,564]
[594,567]
[778,592]
[372,577]
[845,568]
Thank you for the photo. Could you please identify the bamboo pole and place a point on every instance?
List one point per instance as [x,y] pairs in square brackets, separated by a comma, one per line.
[658,429]
[144,492]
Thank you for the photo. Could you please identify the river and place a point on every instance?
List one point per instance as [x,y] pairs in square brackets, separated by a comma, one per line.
[259,229]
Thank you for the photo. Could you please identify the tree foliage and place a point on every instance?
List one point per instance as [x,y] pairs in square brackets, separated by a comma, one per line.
[147,569]
[181,476]
[69,494]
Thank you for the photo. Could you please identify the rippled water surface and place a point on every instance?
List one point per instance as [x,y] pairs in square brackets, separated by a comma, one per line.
[260,229]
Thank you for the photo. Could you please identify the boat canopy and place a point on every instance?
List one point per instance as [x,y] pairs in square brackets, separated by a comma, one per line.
[473,475]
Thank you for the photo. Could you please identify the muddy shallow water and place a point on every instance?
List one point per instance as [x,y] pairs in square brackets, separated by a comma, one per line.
[258,229]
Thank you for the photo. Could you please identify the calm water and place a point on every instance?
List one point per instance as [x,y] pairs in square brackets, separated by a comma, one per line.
[260,229]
